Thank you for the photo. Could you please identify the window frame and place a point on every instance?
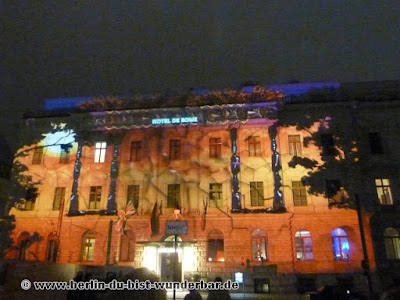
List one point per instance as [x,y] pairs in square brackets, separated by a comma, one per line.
[173,195]
[38,154]
[215,147]
[392,243]
[257,193]
[213,190]
[381,188]
[299,193]
[95,197]
[64,155]
[88,246]
[215,246]
[127,247]
[294,143]
[100,151]
[59,197]
[304,245]
[136,151]
[259,250]
[254,145]
[340,239]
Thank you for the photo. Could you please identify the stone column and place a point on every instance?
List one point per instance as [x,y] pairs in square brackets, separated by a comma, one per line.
[111,203]
[74,203]
[235,168]
[278,205]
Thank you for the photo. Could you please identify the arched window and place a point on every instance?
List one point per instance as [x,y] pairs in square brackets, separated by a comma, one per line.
[127,246]
[215,250]
[88,244]
[259,245]
[304,249]
[51,251]
[22,245]
[392,243]
[340,244]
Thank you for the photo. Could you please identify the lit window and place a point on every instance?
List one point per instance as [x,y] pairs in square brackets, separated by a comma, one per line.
[215,194]
[340,244]
[133,195]
[100,152]
[257,193]
[37,156]
[174,197]
[254,145]
[95,197]
[136,151]
[392,243]
[375,143]
[299,193]
[88,244]
[304,249]
[383,191]
[59,197]
[127,246]
[259,245]
[174,149]
[215,147]
[215,249]
[294,145]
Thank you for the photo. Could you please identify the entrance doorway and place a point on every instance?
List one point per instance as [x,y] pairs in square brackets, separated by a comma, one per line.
[171,259]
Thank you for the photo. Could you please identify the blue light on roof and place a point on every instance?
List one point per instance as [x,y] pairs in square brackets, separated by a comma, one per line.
[296,89]
[64,103]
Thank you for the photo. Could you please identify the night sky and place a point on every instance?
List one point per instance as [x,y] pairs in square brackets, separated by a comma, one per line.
[82,48]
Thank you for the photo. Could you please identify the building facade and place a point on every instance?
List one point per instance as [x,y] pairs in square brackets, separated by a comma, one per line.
[199,191]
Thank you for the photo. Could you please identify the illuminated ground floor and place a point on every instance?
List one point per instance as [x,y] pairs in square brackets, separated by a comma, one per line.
[289,251]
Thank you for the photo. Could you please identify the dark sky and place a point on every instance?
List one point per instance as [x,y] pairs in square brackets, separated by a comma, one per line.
[91,47]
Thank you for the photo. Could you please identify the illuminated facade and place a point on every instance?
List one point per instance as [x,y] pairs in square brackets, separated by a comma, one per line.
[222,171]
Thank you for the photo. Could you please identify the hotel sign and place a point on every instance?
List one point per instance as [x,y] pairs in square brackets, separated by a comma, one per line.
[176,227]
[174,120]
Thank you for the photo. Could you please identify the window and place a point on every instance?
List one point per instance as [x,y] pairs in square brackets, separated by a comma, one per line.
[304,249]
[127,246]
[299,193]
[51,251]
[215,194]
[59,197]
[95,197]
[383,191]
[340,244]
[23,245]
[174,149]
[215,147]
[174,196]
[294,145]
[37,156]
[64,155]
[375,143]
[254,146]
[259,245]
[392,243]
[30,198]
[100,152]
[133,195]
[87,247]
[215,250]
[328,147]
[257,193]
[136,151]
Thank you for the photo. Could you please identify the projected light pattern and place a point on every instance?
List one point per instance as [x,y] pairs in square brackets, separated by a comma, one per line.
[56,140]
